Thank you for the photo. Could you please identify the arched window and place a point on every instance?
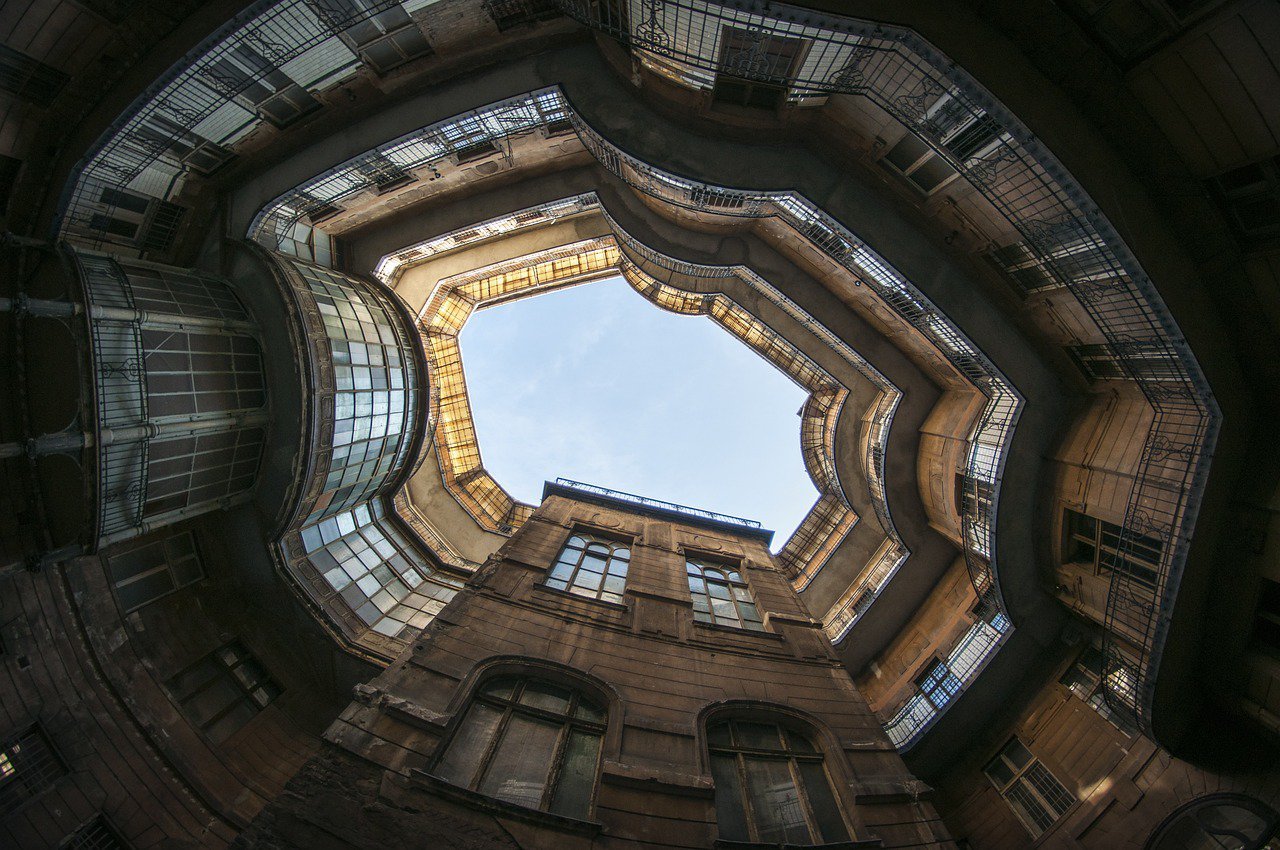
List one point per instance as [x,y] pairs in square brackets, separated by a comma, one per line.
[720,596]
[1217,822]
[591,566]
[771,786]
[529,742]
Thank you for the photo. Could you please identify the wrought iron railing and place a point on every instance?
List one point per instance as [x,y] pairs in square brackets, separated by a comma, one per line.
[658,504]
[491,125]
[965,661]
[120,390]
[1061,229]
[1004,403]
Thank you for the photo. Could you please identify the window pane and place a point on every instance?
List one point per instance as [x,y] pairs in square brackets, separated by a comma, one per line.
[588,711]
[730,816]
[826,812]
[500,687]
[1015,752]
[718,736]
[518,771]
[546,696]
[757,736]
[462,760]
[577,776]
[775,802]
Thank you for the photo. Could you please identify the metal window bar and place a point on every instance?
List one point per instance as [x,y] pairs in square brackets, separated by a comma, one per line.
[97,834]
[28,767]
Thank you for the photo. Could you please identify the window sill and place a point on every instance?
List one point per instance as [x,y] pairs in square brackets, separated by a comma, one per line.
[502,808]
[739,630]
[565,594]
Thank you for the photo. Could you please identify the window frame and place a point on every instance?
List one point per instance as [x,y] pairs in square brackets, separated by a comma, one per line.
[726,569]
[937,678]
[782,54]
[784,723]
[1019,779]
[169,544]
[1085,683]
[1141,570]
[225,671]
[46,763]
[510,706]
[591,537]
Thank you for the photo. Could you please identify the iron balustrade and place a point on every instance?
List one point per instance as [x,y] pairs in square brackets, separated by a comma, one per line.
[862,593]
[166,450]
[389,266]
[492,125]
[1064,233]
[965,661]
[658,504]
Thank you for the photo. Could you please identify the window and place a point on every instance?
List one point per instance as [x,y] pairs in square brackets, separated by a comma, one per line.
[223,691]
[1035,795]
[720,596]
[28,767]
[771,786]
[529,742]
[1232,821]
[591,566]
[755,69]
[138,221]
[384,38]
[1095,542]
[97,834]
[1250,196]
[158,133]
[376,572]
[938,683]
[915,160]
[245,74]
[1145,362]
[513,13]
[28,78]
[1085,680]
[143,574]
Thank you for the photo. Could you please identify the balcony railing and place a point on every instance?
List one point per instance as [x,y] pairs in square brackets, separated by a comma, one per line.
[658,504]
[1062,231]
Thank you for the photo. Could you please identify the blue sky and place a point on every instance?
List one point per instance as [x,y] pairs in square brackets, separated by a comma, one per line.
[596,384]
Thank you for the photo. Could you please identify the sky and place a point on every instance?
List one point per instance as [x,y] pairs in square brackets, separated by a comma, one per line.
[596,384]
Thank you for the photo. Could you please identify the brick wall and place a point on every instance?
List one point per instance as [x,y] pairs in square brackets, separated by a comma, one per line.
[661,671]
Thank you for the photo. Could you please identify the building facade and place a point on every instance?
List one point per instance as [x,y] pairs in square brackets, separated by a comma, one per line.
[614,676]
[1022,258]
